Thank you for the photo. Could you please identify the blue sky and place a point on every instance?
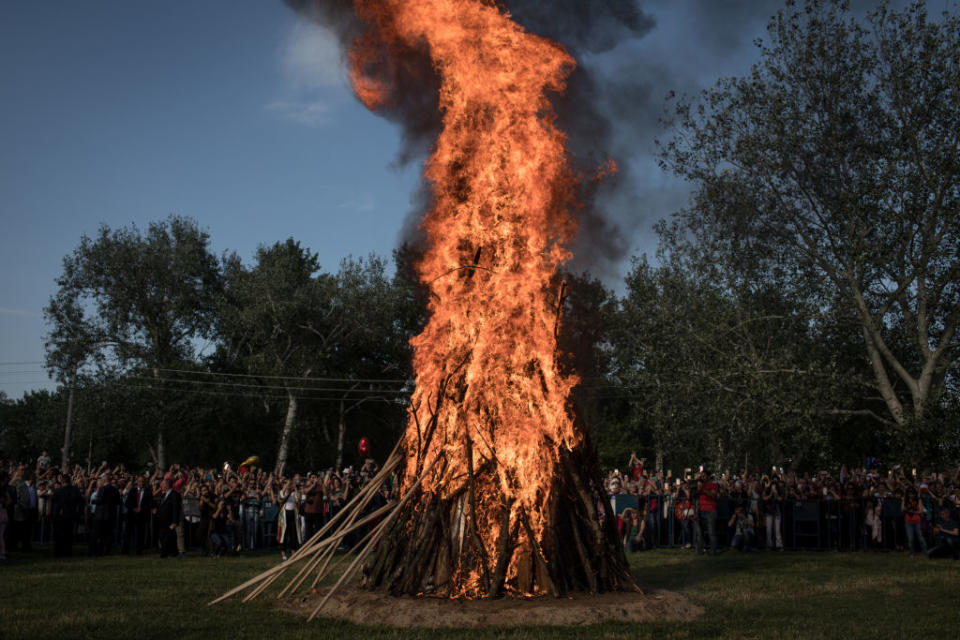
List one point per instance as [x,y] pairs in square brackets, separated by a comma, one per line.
[237,114]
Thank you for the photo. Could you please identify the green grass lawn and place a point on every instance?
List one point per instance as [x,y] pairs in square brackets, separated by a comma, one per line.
[759,595]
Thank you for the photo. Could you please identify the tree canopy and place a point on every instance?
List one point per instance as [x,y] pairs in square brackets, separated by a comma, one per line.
[834,167]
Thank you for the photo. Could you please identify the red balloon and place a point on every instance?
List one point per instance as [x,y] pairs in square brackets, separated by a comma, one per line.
[364,447]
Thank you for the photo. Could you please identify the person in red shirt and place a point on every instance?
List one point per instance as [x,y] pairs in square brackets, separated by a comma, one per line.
[707,491]
[912,517]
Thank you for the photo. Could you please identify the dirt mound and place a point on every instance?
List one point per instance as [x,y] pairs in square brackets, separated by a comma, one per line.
[365,607]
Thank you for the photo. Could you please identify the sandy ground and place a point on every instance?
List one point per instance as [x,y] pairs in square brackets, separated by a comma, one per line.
[365,607]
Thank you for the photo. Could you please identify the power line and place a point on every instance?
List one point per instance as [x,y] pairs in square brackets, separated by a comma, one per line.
[8,364]
[266,386]
[255,396]
[265,377]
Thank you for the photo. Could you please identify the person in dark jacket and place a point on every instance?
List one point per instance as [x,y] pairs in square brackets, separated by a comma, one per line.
[67,507]
[107,502]
[169,514]
[138,503]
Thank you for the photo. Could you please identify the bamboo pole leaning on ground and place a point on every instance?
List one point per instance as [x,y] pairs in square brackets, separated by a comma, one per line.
[317,544]
[374,537]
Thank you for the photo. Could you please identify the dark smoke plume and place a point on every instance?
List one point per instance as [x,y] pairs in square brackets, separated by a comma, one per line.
[590,112]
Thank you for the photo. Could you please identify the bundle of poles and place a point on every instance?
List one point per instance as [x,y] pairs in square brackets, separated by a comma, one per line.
[316,557]
[427,544]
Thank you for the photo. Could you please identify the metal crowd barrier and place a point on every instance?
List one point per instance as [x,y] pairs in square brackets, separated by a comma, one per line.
[814,525]
[257,526]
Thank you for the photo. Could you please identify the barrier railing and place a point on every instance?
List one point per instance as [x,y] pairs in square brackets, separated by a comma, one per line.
[804,524]
[255,527]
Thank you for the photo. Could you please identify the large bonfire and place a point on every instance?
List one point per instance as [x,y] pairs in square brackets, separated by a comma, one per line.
[499,491]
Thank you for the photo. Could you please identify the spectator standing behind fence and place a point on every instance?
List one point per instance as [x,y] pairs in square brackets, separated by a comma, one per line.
[233,495]
[707,491]
[313,505]
[913,515]
[208,506]
[773,514]
[652,517]
[685,514]
[289,512]
[178,482]
[872,526]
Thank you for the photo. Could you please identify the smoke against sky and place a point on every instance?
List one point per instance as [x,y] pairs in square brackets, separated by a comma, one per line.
[590,112]
[631,56]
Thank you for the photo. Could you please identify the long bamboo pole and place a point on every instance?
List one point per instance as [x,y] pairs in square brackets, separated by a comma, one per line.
[274,572]
[374,536]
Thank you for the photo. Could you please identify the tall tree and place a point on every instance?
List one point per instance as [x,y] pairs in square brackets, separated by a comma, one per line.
[839,155]
[262,313]
[313,333]
[70,347]
[133,299]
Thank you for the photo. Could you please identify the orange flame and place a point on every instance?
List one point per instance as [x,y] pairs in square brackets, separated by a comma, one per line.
[487,364]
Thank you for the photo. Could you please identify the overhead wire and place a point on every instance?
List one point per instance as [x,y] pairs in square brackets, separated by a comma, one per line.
[274,377]
[257,396]
[266,386]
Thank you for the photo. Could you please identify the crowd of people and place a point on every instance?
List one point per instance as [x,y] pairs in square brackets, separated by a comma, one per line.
[217,511]
[863,508]
[225,511]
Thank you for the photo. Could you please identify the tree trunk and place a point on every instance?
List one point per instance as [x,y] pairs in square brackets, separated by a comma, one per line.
[153,456]
[161,451]
[288,423]
[324,428]
[161,455]
[65,451]
[883,380]
[341,433]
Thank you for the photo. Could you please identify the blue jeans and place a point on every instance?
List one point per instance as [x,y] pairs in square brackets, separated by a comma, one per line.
[915,533]
[220,542]
[653,529]
[707,520]
[686,532]
[743,541]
